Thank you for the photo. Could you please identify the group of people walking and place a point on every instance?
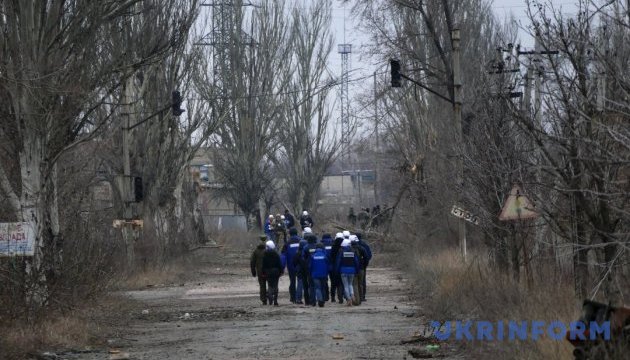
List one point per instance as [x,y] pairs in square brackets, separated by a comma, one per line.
[320,269]
[276,227]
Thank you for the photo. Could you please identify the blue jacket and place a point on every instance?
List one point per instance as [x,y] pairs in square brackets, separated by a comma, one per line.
[290,250]
[268,229]
[347,261]
[318,266]
[328,241]
[309,248]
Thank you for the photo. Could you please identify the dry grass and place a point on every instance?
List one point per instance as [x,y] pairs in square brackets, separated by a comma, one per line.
[169,274]
[81,328]
[452,290]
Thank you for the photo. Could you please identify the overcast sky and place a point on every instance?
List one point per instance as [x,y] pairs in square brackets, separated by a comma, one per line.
[362,67]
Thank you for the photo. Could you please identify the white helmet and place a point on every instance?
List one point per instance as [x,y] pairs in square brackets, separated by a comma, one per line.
[345,242]
[354,238]
[339,235]
[305,213]
[271,216]
[346,234]
[308,230]
[281,217]
[270,245]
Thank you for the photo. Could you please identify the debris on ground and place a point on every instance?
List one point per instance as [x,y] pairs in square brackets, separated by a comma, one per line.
[419,338]
[423,353]
[145,312]
[337,336]
[115,354]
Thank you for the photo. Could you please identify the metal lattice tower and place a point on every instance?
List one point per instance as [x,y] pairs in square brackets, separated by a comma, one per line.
[345,50]
[222,30]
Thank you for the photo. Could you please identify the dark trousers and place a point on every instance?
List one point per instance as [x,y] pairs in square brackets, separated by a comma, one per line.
[311,290]
[326,289]
[306,285]
[272,294]
[292,281]
[262,284]
[336,286]
[364,281]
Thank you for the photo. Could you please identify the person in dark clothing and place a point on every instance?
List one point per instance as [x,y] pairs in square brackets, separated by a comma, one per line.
[336,287]
[327,242]
[368,253]
[358,278]
[290,250]
[272,270]
[289,219]
[280,229]
[256,263]
[306,220]
[318,268]
[352,218]
[301,271]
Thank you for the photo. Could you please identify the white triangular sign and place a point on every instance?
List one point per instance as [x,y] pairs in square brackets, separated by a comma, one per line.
[517,206]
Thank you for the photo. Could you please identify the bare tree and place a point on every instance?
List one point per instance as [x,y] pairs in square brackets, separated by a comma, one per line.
[58,70]
[250,99]
[307,147]
[583,164]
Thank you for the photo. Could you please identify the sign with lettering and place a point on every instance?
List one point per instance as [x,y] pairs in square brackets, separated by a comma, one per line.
[17,239]
[463,214]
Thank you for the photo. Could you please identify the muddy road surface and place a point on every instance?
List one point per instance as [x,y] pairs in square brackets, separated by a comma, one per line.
[219,316]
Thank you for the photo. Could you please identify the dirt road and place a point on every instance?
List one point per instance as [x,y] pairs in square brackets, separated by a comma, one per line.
[220,317]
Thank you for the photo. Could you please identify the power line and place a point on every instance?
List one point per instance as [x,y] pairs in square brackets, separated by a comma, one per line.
[319,87]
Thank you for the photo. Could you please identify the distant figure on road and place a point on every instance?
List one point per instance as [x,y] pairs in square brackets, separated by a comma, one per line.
[289,219]
[306,220]
[272,269]
[352,218]
[364,218]
[279,229]
[256,263]
[348,266]
[269,229]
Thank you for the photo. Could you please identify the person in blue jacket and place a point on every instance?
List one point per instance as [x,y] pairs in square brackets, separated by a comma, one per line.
[318,267]
[309,249]
[290,250]
[327,241]
[368,253]
[348,265]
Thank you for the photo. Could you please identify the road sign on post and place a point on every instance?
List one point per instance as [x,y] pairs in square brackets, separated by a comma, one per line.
[463,214]
[517,206]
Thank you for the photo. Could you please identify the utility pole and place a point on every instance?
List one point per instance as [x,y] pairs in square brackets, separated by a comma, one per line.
[125,183]
[378,147]
[457,112]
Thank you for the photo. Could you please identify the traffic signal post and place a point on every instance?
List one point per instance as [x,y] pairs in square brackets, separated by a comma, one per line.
[456,101]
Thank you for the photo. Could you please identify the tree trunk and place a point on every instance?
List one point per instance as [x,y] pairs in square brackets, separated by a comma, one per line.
[39,208]
[580,257]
